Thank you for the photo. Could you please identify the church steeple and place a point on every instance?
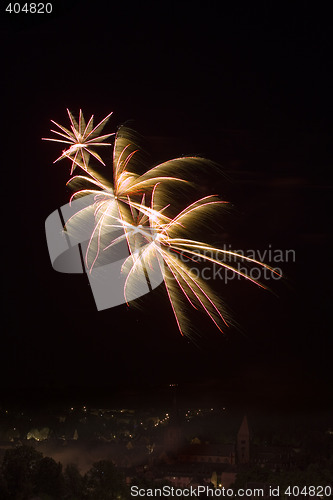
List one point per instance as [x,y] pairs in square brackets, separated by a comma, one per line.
[243,442]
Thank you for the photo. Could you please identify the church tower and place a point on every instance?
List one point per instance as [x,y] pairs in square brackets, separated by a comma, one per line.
[243,442]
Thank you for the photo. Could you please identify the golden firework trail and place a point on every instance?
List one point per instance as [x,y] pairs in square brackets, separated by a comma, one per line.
[173,254]
[117,196]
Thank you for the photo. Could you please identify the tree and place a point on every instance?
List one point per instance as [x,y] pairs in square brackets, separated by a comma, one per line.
[19,468]
[74,483]
[4,494]
[49,478]
[104,482]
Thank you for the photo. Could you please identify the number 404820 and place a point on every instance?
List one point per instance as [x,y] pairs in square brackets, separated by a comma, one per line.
[29,8]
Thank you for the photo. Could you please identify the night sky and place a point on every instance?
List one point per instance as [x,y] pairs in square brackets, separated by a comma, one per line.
[248,86]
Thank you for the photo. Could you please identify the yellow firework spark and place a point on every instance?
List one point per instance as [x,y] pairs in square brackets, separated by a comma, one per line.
[81,139]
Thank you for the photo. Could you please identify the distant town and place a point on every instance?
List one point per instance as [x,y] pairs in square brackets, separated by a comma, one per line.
[177,447]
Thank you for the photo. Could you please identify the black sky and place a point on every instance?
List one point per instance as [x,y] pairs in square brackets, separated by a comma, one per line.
[247,85]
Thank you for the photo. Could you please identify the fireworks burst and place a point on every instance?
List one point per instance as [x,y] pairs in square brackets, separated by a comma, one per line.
[134,203]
